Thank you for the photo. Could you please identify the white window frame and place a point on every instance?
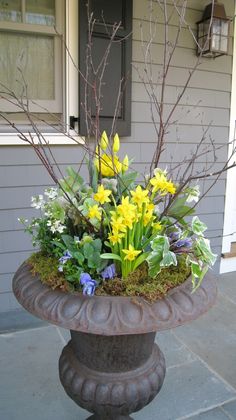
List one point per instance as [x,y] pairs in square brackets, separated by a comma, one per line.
[69,72]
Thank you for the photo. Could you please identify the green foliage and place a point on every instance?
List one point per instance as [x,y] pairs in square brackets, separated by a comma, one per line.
[178,210]
[197,226]
[86,227]
[160,256]
[85,256]
[126,182]
[73,182]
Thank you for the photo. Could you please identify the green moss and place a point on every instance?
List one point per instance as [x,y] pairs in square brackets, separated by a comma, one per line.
[140,284]
[47,269]
[137,283]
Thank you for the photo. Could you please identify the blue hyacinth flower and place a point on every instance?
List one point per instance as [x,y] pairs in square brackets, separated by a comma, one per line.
[65,257]
[109,272]
[89,285]
[184,243]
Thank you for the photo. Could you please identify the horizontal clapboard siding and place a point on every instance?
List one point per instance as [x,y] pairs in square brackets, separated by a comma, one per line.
[205,104]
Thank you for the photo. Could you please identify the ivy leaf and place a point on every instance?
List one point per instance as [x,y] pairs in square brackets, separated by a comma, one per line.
[169,258]
[197,226]
[205,252]
[160,256]
[199,273]
[156,255]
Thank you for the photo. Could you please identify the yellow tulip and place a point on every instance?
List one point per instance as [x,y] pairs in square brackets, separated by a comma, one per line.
[104,141]
[125,164]
[108,165]
[116,144]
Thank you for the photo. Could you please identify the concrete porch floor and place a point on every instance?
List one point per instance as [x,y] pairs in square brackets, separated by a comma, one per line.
[200,381]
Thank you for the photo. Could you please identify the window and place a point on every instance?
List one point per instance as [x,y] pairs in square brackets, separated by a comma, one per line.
[107,13]
[32,54]
[31,59]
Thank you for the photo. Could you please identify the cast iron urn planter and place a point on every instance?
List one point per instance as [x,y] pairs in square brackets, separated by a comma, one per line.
[111,366]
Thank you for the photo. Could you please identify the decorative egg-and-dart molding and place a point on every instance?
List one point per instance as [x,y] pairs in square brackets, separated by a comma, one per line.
[109,315]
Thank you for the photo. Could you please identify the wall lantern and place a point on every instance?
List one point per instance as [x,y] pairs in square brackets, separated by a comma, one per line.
[213,31]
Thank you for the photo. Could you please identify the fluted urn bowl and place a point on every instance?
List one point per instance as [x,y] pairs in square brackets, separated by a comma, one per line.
[111,366]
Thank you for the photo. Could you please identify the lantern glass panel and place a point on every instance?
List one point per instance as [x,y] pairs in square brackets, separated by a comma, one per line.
[225,28]
[224,44]
[220,35]
[203,38]
[216,30]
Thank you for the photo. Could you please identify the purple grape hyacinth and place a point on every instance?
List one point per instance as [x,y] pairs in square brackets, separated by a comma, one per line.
[89,285]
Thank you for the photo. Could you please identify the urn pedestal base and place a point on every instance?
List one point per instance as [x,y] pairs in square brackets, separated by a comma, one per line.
[111,367]
[112,376]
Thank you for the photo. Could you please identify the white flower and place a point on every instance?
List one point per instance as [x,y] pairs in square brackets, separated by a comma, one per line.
[60,229]
[56,226]
[51,193]
[37,202]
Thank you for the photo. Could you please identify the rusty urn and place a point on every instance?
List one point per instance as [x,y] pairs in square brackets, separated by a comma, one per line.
[112,366]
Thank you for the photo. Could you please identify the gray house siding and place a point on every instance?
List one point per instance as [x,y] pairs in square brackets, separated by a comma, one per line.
[22,175]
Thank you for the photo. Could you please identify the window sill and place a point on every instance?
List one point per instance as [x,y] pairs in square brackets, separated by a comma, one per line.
[72,138]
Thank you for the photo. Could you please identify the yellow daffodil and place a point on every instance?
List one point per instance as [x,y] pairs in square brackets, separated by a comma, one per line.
[156,226]
[104,141]
[126,209]
[115,237]
[140,196]
[131,253]
[125,164]
[118,224]
[128,221]
[108,165]
[171,188]
[148,216]
[116,143]
[94,212]
[161,184]
[102,195]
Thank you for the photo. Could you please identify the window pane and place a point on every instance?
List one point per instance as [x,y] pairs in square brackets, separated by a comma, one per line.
[10,10]
[224,28]
[40,12]
[215,42]
[224,44]
[29,58]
